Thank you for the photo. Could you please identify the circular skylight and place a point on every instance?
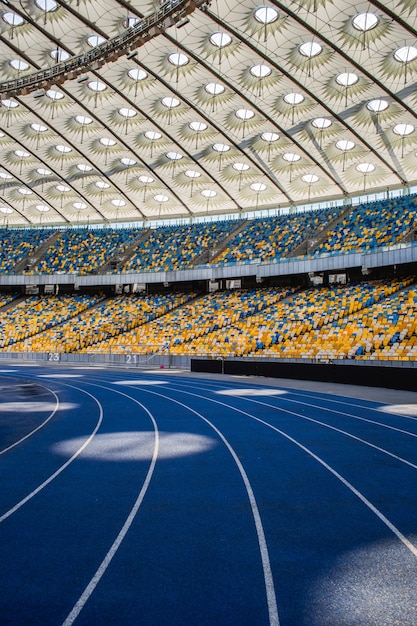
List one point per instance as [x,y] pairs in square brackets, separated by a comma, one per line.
[260,71]
[192,174]
[266,15]
[270,137]
[127,161]
[39,128]
[136,73]
[22,154]
[170,102]
[345,144]
[5,175]
[107,141]
[220,40]
[258,187]
[214,89]
[178,59]
[62,188]
[9,104]
[127,113]
[221,147]
[173,156]
[79,205]
[244,114]
[46,5]
[403,129]
[347,79]
[153,135]
[310,49]
[59,55]
[24,191]
[101,184]
[293,98]
[95,40]
[365,168]
[405,54]
[291,157]
[54,94]
[365,21]
[198,127]
[310,179]
[43,208]
[83,120]
[63,149]
[321,123]
[208,193]
[160,197]
[43,171]
[377,105]
[96,85]
[240,167]
[6,210]
[19,65]
[118,202]
[83,167]
[146,180]
[12,18]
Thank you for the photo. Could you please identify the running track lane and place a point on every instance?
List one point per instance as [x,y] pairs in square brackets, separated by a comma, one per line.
[319,489]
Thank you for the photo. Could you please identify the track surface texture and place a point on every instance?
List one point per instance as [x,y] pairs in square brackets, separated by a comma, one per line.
[153,498]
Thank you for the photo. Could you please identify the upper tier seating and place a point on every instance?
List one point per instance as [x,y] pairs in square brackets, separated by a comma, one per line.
[372,225]
[270,239]
[177,247]
[16,245]
[84,250]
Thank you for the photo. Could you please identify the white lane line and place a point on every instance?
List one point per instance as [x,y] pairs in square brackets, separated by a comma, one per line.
[356,417]
[339,430]
[263,547]
[125,528]
[32,432]
[377,512]
[62,468]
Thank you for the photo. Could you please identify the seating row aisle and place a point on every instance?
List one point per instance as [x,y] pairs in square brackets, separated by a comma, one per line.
[386,330]
[194,320]
[84,251]
[108,319]
[168,248]
[34,314]
[263,333]
[270,239]
[173,248]
[372,225]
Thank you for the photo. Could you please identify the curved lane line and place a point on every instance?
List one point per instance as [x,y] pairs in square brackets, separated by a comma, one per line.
[37,428]
[263,548]
[63,467]
[339,430]
[115,546]
[377,512]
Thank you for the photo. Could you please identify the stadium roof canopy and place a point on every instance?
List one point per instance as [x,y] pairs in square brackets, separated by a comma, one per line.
[116,110]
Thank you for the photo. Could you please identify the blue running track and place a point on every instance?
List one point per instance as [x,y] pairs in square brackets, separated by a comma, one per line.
[132,498]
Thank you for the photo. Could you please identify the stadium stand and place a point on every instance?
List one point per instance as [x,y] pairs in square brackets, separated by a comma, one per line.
[178,247]
[83,329]
[84,251]
[372,225]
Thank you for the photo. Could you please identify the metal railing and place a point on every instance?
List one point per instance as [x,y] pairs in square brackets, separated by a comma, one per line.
[170,13]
